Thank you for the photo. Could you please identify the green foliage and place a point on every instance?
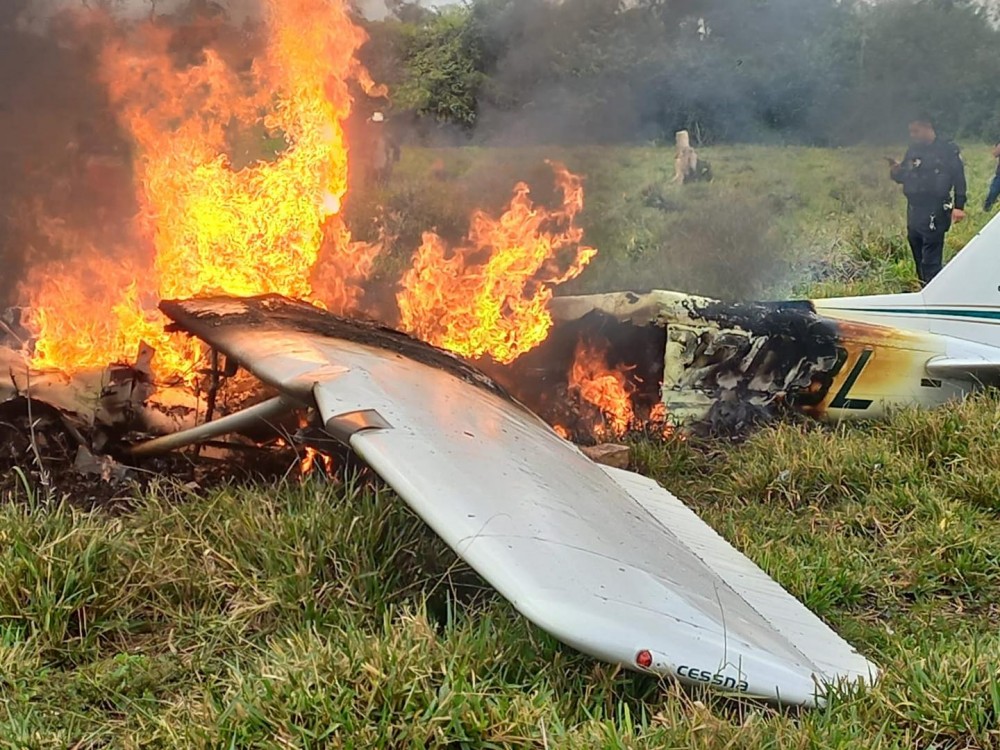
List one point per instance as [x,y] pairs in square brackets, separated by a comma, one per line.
[932,57]
[443,76]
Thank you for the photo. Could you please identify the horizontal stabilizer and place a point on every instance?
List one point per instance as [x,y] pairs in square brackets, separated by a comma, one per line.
[977,369]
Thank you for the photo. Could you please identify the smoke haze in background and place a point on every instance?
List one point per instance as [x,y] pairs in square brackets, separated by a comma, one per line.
[36,14]
[517,73]
[819,72]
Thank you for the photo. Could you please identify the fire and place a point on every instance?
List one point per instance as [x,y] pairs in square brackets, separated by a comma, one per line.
[489,296]
[66,300]
[606,388]
[215,217]
[618,395]
[214,226]
[659,422]
[309,461]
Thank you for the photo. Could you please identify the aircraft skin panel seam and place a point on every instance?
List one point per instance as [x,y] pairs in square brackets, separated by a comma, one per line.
[703,553]
[718,580]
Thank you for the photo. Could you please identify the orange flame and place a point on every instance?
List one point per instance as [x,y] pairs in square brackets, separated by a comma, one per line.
[215,220]
[217,227]
[659,421]
[496,307]
[605,388]
[309,461]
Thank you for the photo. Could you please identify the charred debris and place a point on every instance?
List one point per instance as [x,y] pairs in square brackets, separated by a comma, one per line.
[717,369]
[75,432]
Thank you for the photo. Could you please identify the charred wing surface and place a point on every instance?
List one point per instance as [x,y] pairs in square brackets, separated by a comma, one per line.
[273,312]
[606,561]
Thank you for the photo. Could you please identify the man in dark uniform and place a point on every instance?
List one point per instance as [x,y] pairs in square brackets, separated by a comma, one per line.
[930,171]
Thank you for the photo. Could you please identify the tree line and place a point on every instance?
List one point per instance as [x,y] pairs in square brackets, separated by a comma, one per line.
[822,72]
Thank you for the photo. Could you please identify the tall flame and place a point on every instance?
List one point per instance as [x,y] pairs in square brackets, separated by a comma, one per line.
[211,221]
[489,297]
[215,226]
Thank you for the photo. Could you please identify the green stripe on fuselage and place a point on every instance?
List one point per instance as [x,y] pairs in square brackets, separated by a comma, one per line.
[927,311]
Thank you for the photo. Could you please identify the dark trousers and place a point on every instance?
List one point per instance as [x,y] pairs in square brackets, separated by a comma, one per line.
[994,193]
[925,231]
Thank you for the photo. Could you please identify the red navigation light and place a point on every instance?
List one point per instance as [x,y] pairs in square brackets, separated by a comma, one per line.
[644,659]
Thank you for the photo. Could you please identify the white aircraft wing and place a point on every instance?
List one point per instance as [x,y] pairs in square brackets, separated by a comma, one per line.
[604,560]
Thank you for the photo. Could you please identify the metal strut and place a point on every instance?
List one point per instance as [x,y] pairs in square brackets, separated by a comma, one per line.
[262,412]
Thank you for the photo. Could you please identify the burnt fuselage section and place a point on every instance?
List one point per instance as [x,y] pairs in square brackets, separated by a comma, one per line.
[725,366]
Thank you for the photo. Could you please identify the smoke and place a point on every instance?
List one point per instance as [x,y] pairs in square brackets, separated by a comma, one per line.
[45,90]
[817,72]
[69,184]
[38,14]
[596,71]
[813,72]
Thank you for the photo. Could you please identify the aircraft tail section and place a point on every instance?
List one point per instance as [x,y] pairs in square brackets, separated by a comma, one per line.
[971,279]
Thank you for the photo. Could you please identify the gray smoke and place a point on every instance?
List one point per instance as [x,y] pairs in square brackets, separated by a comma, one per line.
[37,14]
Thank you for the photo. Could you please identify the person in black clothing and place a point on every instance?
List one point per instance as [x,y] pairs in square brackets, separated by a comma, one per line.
[994,192]
[930,171]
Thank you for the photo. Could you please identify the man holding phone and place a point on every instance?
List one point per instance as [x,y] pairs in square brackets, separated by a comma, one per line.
[931,171]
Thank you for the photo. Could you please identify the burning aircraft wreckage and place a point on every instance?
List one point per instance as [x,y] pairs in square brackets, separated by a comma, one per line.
[605,560]
[235,297]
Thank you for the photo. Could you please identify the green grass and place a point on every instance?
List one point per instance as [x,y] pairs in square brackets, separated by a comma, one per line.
[318,614]
[326,615]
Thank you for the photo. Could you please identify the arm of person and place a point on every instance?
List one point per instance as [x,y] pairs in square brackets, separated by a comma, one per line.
[896,170]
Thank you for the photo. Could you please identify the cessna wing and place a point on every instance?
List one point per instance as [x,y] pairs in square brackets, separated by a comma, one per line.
[604,560]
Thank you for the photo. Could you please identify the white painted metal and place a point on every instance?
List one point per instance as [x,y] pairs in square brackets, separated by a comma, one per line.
[962,302]
[605,561]
[266,411]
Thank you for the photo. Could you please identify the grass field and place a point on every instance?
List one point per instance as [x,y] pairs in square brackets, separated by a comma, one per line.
[324,614]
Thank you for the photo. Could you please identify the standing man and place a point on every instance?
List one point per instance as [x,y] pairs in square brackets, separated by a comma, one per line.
[994,192]
[930,171]
[379,146]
